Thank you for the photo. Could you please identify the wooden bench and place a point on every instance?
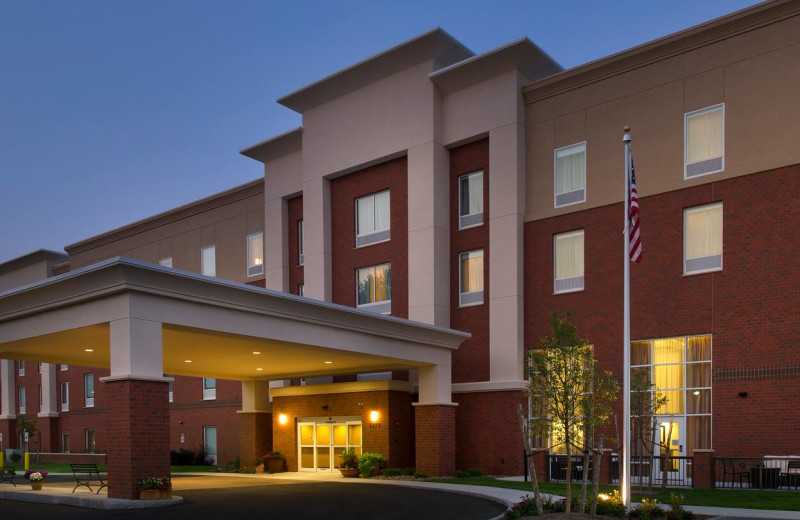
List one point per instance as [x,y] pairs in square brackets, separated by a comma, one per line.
[86,475]
[7,474]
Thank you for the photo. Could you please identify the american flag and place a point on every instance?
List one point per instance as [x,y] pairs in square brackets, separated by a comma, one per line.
[635,240]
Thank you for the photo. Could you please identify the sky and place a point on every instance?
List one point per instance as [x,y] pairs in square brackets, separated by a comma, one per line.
[113,111]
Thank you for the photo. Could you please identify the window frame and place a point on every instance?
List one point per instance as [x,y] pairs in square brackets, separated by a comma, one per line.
[65,441]
[300,258]
[21,368]
[254,269]
[203,249]
[382,306]
[22,400]
[582,232]
[90,432]
[469,217]
[693,209]
[209,392]
[165,262]
[64,396]
[686,117]
[555,175]
[64,368]
[88,400]
[461,302]
[375,236]
[301,289]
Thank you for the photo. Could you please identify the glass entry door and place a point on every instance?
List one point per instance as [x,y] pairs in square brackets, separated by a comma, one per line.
[321,444]
[672,439]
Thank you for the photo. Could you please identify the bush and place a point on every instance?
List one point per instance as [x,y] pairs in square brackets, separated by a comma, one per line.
[367,462]
[527,507]
[407,472]
[611,506]
[391,472]
[15,457]
[649,510]
[421,475]
[474,472]
[461,474]
[186,457]
[676,510]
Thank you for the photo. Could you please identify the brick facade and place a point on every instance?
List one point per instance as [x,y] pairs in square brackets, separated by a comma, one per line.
[255,437]
[435,439]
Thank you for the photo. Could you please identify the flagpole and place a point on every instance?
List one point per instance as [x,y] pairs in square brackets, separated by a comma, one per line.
[626,336]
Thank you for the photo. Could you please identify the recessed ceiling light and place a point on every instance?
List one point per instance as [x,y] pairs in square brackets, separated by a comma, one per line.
[259,369]
[329,362]
[88,350]
[187,360]
[256,352]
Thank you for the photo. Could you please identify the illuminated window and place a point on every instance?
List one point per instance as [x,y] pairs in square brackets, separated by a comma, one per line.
[702,239]
[373,219]
[570,175]
[374,291]
[568,262]
[470,272]
[704,150]
[255,254]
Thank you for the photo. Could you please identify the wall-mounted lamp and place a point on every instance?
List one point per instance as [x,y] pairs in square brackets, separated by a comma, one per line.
[282,419]
[742,394]
[374,417]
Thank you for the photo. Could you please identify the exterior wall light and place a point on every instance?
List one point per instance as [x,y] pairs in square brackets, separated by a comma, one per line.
[374,415]
[282,419]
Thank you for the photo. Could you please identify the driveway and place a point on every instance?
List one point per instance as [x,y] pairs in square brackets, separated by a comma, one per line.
[232,498]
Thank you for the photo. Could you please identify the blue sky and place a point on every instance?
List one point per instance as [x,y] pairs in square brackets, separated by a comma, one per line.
[112,111]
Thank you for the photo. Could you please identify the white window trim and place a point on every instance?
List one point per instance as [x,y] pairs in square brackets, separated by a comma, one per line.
[202,260]
[64,387]
[22,399]
[20,368]
[555,265]
[461,294]
[460,216]
[255,272]
[165,262]
[555,174]
[686,116]
[88,402]
[721,255]
[301,289]
[376,232]
[64,368]
[209,394]
[380,304]
[300,231]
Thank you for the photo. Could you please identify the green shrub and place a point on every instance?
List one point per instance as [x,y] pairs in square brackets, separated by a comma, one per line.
[407,472]
[15,457]
[420,475]
[611,506]
[461,474]
[527,507]
[649,510]
[474,472]
[367,463]
[391,472]
[676,510]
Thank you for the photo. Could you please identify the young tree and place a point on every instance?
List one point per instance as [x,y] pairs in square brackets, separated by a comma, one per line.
[646,400]
[25,424]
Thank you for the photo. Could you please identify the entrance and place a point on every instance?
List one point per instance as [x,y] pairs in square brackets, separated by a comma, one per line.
[323,440]
[672,439]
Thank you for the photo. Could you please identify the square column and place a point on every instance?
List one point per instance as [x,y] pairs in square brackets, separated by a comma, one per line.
[276,255]
[46,419]
[255,422]
[8,392]
[435,422]
[317,239]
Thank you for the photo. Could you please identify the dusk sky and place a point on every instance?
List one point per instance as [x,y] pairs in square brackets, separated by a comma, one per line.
[113,111]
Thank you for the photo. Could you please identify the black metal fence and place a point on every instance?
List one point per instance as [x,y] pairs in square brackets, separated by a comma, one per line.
[646,471]
[757,472]
[557,467]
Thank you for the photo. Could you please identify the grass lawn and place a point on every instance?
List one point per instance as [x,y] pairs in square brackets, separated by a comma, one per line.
[740,498]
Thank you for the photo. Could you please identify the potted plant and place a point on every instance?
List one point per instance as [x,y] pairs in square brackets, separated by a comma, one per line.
[155,488]
[349,464]
[273,462]
[36,478]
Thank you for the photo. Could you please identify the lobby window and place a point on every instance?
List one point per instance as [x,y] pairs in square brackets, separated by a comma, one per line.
[372,219]
[64,396]
[470,200]
[300,259]
[20,368]
[64,442]
[470,274]
[165,262]
[88,389]
[570,175]
[209,388]
[568,262]
[702,239]
[21,400]
[208,261]
[704,148]
[374,291]
[255,254]
[91,442]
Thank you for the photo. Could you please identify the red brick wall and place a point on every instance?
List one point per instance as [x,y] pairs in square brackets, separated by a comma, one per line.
[346,258]
[435,439]
[296,276]
[255,437]
[471,360]
[749,307]
[391,437]
[488,435]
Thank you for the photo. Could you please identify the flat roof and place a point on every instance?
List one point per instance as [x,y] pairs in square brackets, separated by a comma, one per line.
[33,257]
[274,147]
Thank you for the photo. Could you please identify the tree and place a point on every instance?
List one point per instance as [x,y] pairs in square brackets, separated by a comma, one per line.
[569,395]
[646,400]
[25,424]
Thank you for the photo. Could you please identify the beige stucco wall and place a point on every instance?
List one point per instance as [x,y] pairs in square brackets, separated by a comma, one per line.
[755,74]
[24,275]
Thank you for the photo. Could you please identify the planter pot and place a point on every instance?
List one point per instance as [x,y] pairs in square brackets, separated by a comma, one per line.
[275,465]
[260,468]
[155,494]
[349,472]
[37,486]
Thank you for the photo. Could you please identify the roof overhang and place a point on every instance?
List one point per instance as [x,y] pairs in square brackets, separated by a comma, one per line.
[275,147]
[226,329]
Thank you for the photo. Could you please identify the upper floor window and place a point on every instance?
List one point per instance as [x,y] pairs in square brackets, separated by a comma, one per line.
[20,368]
[704,150]
[88,389]
[470,200]
[171,388]
[21,402]
[64,396]
[208,261]
[165,262]
[255,254]
[41,398]
[374,291]
[470,272]
[64,368]
[209,388]
[702,239]
[568,261]
[300,259]
[372,218]
[570,175]
[38,368]
[301,289]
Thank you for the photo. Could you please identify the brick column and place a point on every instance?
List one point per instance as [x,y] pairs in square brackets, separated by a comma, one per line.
[605,467]
[435,435]
[540,463]
[703,474]
[48,434]
[255,436]
[137,434]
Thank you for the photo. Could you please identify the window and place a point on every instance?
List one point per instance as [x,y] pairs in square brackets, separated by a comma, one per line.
[568,262]
[20,368]
[64,368]
[165,262]
[470,200]
[255,254]
[91,443]
[702,239]
[21,393]
[65,442]
[301,289]
[38,368]
[64,396]
[208,261]
[300,259]
[41,397]
[170,387]
[88,389]
[209,388]
[570,176]
[374,291]
[470,273]
[372,219]
[704,149]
